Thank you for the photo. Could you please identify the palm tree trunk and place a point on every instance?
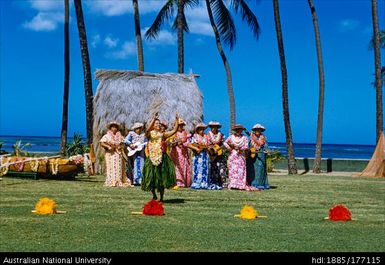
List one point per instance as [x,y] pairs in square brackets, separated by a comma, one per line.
[292,166]
[230,90]
[138,35]
[64,126]
[377,65]
[318,149]
[180,37]
[86,69]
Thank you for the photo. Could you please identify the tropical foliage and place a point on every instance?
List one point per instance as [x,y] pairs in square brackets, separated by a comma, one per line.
[19,149]
[77,147]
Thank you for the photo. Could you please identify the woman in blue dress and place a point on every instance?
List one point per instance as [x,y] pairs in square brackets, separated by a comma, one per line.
[258,146]
[200,160]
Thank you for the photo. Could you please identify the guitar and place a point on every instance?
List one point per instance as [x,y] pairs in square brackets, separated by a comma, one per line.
[200,147]
[214,151]
[138,147]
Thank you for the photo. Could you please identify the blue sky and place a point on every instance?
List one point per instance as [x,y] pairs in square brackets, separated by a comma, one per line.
[31,65]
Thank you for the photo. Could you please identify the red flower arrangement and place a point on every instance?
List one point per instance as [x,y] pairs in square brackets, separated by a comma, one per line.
[153,207]
[339,213]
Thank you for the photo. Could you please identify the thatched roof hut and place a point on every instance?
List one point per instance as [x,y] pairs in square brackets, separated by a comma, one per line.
[130,96]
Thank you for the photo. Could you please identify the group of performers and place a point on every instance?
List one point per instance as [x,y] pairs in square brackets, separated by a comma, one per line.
[159,159]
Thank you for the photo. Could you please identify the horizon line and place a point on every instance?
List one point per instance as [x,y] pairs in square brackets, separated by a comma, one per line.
[269,142]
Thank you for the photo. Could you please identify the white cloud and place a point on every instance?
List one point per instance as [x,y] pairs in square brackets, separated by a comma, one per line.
[121,7]
[44,21]
[95,40]
[198,20]
[47,5]
[164,37]
[127,49]
[348,24]
[49,14]
[110,42]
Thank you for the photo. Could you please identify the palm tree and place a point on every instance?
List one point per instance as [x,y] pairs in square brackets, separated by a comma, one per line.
[317,160]
[180,24]
[224,29]
[86,69]
[64,127]
[377,67]
[292,166]
[138,35]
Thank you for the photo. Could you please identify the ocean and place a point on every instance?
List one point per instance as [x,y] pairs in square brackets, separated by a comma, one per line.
[52,145]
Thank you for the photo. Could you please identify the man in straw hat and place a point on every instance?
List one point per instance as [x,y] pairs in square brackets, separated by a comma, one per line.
[180,155]
[112,142]
[135,142]
[218,164]
[237,144]
[257,173]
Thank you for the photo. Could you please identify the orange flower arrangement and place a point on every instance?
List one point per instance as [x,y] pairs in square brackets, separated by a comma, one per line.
[45,206]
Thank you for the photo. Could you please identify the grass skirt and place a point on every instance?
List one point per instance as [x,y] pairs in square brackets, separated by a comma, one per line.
[158,177]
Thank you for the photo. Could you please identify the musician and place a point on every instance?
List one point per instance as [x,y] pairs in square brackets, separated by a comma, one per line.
[158,170]
[134,141]
[237,144]
[258,146]
[200,159]
[218,167]
[180,155]
[112,142]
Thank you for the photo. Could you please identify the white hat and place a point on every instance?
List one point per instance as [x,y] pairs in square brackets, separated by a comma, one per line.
[137,125]
[200,125]
[113,123]
[258,127]
[214,123]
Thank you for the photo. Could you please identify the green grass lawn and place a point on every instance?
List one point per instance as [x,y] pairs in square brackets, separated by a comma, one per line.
[99,218]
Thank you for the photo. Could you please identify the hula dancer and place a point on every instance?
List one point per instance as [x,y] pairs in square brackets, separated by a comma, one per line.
[135,139]
[218,167]
[159,170]
[258,146]
[112,142]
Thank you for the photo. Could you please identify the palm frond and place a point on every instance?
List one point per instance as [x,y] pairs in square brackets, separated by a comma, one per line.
[184,23]
[164,14]
[191,3]
[247,15]
[225,23]
[382,40]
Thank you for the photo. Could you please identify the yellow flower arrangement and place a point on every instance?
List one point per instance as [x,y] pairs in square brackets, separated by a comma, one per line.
[248,212]
[45,206]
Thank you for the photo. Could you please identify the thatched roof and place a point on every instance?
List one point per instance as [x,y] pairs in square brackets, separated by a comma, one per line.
[130,96]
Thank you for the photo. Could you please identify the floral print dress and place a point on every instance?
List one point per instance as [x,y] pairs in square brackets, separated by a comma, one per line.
[181,158]
[237,162]
[115,166]
[218,166]
[200,164]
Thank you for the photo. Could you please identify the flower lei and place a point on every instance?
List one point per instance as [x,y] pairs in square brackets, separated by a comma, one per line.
[19,166]
[254,141]
[155,148]
[238,142]
[215,138]
[87,162]
[34,164]
[55,166]
[200,139]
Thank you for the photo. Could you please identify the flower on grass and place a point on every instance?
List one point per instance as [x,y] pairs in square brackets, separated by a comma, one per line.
[45,206]
[339,213]
[153,208]
[248,212]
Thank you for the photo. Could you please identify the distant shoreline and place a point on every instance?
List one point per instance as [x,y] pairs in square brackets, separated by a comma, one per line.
[326,144]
